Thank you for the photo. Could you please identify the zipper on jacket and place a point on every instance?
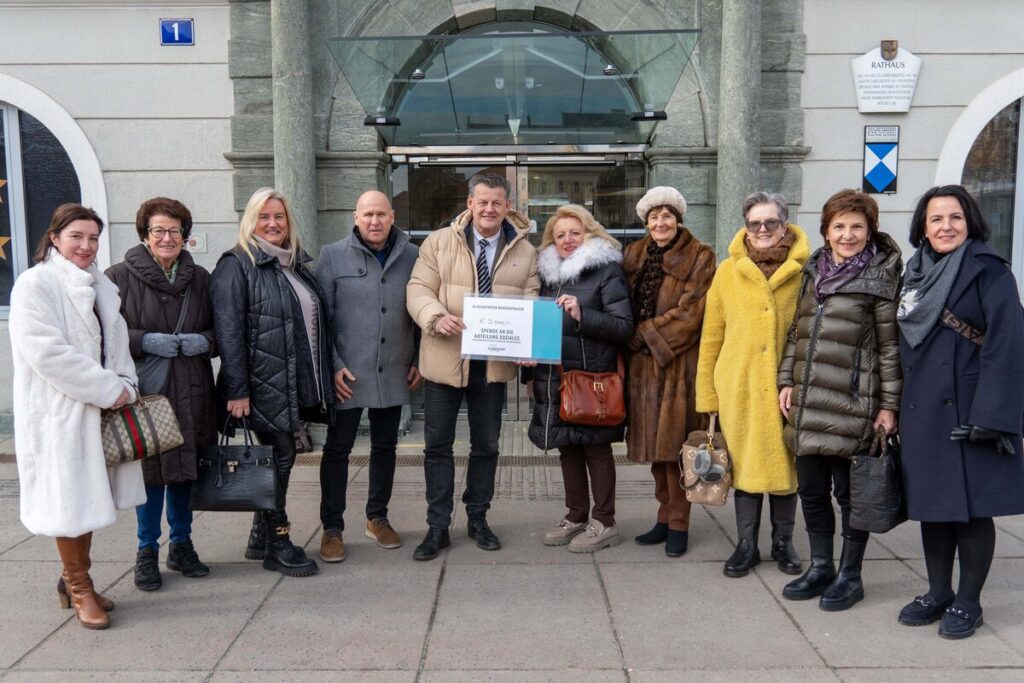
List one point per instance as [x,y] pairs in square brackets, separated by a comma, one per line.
[855,380]
[807,367]
[547,412]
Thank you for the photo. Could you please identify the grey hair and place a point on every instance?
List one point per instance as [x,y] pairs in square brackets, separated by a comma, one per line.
[492,180]
[775,198]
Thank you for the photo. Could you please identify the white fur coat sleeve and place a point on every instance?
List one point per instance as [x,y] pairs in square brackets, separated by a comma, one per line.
[59,389]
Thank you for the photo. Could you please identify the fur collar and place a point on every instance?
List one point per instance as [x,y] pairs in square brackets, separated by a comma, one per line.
[593,253]
[89,291]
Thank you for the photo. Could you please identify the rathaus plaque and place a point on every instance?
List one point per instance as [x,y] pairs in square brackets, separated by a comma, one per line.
[885,78]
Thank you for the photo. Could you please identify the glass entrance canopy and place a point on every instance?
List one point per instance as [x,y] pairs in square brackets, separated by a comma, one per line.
[511,86]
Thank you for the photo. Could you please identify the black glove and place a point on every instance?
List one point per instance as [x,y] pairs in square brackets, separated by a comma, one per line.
[1003,442]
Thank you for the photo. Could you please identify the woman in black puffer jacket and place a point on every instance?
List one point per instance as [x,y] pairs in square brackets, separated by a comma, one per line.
[272,327]
[840,381]
[580,265]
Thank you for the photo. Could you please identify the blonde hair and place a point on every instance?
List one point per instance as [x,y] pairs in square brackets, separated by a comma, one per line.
[591,228]
[247,226]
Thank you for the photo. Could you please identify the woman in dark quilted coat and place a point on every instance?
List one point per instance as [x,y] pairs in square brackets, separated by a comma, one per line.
[159,283]
[839,383]
[961,337]
[580,265]
[275,345]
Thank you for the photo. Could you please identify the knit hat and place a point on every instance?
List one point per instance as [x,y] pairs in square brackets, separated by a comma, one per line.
[661,196]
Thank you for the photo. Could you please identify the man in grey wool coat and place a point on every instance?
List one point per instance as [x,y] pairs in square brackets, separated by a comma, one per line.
[363,278]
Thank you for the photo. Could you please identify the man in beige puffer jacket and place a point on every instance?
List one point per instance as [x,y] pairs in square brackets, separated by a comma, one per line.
[483,250]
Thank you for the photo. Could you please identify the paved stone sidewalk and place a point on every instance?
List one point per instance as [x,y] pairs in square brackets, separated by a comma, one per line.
[524,613]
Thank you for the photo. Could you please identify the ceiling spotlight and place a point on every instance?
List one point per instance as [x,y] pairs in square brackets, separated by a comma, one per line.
[610,70]
[418,75]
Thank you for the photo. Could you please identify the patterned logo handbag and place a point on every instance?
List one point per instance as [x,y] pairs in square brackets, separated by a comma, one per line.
[706,467]
[139,430]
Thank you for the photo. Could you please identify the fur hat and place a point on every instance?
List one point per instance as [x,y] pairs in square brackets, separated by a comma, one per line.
[661,196]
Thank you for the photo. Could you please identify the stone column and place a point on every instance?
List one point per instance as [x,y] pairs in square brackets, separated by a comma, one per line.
[294,153]
[739,135]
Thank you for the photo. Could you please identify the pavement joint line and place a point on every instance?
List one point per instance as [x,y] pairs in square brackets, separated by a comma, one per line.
[433,616]
[62,624]
[778,601]
[611,617]
[216,665]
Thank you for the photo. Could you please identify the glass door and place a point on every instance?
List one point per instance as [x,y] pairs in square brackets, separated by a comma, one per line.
[427,193]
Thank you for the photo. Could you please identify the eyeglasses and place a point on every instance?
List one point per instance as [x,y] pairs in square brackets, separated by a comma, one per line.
[161,233]
[772,224]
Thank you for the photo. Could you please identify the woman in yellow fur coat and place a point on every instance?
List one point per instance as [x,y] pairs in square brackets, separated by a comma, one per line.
[749,310]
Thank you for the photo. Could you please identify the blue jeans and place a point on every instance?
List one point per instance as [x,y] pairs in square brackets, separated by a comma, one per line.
[484,401]
[341,436]
[179,515]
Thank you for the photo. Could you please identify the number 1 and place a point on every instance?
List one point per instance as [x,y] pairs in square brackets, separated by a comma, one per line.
[175,27]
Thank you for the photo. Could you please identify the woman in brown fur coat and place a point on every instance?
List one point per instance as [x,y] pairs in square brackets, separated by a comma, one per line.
[669,273]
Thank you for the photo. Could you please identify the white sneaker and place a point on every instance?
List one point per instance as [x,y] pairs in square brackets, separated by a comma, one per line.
[596,537]
[564,532]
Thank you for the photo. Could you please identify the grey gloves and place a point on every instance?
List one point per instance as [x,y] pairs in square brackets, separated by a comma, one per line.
[170,345]
[194,344]
[165,345]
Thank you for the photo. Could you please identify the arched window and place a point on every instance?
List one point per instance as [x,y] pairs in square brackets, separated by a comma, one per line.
[992,174]
[36,176]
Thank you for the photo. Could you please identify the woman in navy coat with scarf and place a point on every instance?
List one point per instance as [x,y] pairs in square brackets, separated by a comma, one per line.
[961,341]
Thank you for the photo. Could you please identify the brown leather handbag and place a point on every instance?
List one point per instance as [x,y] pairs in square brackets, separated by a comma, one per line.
[595,399]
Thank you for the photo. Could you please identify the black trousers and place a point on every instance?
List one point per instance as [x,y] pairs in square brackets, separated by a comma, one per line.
[284,460]
[484,401]
[384,424]
[818,478]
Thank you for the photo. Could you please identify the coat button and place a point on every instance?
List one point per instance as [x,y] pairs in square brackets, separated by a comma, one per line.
[382,340]
[913,406]
[949,401]
[361,271]
[382,280]
[383,310]
[163,298]
[380,369]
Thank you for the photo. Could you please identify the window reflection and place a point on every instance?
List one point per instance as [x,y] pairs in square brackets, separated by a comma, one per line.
[990,174]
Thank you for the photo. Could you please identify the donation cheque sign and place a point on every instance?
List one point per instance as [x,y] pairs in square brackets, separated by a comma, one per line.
[510,328]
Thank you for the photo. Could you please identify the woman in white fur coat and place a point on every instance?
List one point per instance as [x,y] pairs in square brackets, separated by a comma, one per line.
[580,265]
[71,360]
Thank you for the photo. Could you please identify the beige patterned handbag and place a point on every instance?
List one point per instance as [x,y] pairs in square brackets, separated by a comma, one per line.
[139,430]
[705,466]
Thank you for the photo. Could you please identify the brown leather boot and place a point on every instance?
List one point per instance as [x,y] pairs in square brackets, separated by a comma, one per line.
[62,590]
[74,554]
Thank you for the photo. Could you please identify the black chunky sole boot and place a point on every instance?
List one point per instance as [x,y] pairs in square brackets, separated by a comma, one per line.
[284,557]
[256,548]
[748,524]
[847,589]
[819,575]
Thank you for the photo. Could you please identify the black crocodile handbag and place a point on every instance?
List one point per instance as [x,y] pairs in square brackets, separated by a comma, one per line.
[235,478]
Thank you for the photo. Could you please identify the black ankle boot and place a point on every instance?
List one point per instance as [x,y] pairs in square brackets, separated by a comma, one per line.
[748,524]
[785,555]
[282,555]
[256,548]
[819,575]
[847,589]
[676,543]
[182,557]
[147,570]
[657,534]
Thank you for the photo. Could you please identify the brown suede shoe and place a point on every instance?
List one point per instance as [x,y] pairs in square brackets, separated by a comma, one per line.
[332,548]
[380,531]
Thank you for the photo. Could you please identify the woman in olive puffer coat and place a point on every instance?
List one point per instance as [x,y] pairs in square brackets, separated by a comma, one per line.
[840,381]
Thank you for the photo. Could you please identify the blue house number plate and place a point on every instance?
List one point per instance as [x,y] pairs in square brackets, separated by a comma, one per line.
[176,32]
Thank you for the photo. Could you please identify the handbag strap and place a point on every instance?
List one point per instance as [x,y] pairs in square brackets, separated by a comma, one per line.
[962,328]
[181,313]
